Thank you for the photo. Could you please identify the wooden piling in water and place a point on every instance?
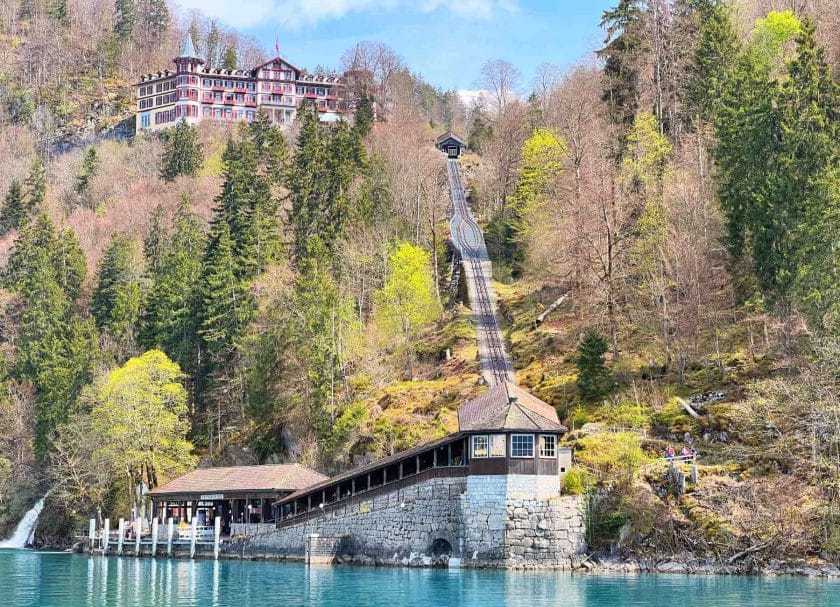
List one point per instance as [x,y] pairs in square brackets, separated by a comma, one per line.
[91,534]
[217,533]
[138,530]
[193,532]
[170,535]
[121,531]
[106,532]
[154,536]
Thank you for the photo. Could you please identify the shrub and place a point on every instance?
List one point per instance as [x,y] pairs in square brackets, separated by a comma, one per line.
[576,481]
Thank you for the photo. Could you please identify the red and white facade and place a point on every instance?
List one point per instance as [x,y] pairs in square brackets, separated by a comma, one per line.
[197,93]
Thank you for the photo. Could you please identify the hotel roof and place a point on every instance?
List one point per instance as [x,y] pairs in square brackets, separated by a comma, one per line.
[276,477]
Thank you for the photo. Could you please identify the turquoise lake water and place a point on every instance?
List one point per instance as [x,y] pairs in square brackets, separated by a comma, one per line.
[31,579]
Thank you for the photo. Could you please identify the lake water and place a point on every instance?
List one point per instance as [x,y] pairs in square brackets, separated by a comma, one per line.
[32,579]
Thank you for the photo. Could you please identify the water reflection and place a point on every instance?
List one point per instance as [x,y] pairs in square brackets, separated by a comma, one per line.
[30,579]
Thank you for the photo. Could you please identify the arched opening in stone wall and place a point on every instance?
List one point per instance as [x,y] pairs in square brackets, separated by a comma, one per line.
[441,547]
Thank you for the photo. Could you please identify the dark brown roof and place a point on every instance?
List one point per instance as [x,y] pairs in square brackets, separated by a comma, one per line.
[507,407]
[277,477]
[381,463]
[449,135]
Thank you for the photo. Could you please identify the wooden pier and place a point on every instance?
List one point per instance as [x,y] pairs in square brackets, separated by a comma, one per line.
[144,538]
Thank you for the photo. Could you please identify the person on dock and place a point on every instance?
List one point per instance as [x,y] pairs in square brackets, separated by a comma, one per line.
[670,452]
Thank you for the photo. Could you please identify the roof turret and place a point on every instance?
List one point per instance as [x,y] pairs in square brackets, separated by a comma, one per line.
[188,49]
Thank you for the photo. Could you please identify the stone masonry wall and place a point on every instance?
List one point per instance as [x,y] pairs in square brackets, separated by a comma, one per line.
[493,521]
[402,522]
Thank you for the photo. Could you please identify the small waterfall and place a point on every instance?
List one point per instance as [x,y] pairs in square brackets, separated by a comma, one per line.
[25,530]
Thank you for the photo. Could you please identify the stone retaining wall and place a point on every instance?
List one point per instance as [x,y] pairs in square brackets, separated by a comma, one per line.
[485,520]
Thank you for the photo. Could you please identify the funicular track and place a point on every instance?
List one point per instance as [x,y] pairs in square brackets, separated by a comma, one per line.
[469,240]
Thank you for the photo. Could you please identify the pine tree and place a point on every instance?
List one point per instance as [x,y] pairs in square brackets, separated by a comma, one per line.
[623,46]
[13,212]
[323,167]
[169,319]
[229,59]
[155,243]
[364,116]
[125,19]
[717,51]
[35,185]
[594,380]
[226,305]
[70,263]
[115,304]
[182,154]
[270,144]
[90,167]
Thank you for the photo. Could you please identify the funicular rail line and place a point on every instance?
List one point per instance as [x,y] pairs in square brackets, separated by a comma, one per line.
[469,239]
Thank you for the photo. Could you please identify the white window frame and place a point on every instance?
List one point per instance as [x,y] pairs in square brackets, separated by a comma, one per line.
[494,440]
[513,437]
[486,446]
[553,446]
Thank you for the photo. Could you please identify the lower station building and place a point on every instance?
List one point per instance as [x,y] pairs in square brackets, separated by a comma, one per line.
[242,496]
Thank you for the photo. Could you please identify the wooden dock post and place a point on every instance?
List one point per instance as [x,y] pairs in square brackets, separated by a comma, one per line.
[193,533]
[92,534]
[217,536]
[694,474]
[106,532]
[138,530]
[154,536]
[170,535]
[121,531]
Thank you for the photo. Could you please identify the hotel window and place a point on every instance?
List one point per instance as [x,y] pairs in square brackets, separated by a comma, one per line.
[548,445]
[207,82]
[479,446]
[498,445]
[145,121]
[522,445]
[250,114]
[208,112]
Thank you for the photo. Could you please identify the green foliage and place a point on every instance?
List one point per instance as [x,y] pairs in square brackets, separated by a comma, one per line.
[125,19]
[182,154]
[56,349]
[647,153]
[617,456]
[139,414]
[20,202]
[173,260]
[576,481]
[325,163]
[777,140]
[772,33]
[624,43]
[594,380]
[481,132]
[13,211]
[363,121]
[90,167]
[117,297]
[541,164]
[407,302]
[229,59]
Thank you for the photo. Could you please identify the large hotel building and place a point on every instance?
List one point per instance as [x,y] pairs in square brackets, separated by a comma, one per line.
[195,93]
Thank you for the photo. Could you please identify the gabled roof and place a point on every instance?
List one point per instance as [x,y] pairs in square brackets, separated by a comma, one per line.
[277,477]
[507,407]
[449,135]
[281,60]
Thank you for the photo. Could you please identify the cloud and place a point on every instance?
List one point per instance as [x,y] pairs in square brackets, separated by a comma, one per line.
[301,13]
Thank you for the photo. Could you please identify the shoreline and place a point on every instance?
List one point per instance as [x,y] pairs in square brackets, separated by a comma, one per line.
[590,566]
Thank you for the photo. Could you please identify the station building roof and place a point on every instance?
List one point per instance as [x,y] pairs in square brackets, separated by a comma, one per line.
[276,478]
[506,406]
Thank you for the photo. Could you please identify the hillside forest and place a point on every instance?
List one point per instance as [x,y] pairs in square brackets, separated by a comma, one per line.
[662,219]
